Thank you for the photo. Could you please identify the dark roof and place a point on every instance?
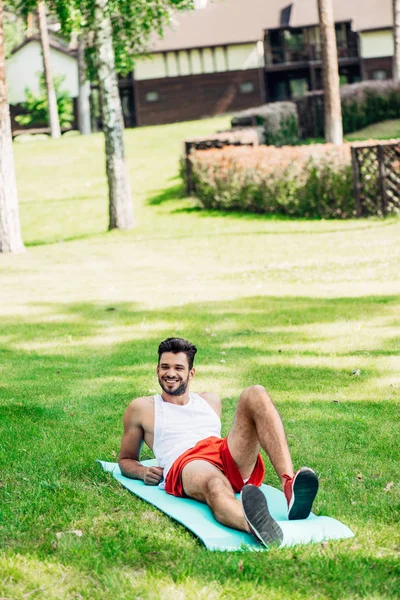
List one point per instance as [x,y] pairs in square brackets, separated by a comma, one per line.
[221,22]
[364,14]
[55,44]
[240,21]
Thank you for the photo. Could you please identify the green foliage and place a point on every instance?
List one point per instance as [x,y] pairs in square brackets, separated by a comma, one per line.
[278,119]
[307,181]
[286,135]
[36,106]
[133,24]
[327,192]
[13,34]
[374,106]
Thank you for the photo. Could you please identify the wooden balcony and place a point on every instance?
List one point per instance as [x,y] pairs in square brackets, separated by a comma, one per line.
[281,55]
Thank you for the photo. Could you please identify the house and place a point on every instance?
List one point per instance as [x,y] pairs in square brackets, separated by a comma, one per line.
[229,55]
[374,26]
[210,61]
[233,54]
[293,50]
[25,65]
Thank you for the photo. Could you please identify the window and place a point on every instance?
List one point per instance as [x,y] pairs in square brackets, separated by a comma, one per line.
[294,39]
[298,87]
[379,74]
[152,96]
[246,87]
[341,35]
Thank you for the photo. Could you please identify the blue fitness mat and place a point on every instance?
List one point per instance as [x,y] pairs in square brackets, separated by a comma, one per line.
[197,517]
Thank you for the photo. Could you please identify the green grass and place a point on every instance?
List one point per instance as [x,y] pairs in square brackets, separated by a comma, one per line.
[297,306]
[385,130]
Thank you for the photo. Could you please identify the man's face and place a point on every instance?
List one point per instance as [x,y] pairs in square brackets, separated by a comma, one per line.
[174,373]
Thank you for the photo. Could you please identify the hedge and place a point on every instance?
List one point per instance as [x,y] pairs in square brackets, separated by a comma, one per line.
[279,120]
[288,122]
[369,102]
[363,104]
[300,181]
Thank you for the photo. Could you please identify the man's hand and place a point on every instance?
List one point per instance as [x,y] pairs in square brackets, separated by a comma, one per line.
[153,475]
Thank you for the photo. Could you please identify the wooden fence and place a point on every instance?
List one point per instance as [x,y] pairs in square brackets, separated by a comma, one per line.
[376,176]
[375,166]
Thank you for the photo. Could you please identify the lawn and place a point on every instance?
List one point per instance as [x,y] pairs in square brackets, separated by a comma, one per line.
[389,129]
[310,309]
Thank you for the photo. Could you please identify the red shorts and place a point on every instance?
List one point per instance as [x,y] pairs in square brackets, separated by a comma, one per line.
[215,451]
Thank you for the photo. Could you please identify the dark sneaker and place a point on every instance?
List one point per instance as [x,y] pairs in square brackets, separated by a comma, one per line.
[262,525]
[300,491]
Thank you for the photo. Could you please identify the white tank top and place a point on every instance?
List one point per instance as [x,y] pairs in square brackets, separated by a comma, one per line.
[179,427]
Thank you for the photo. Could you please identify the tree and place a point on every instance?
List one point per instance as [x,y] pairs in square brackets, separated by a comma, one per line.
[396,35]
[10,229]
[84,91]
[119,187]
[333,109]
[115,31]
[51,94]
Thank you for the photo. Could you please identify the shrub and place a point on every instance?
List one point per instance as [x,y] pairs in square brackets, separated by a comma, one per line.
[279,120]
[363,104]
[248,136]
[369,102]
[302,181]
[36,110]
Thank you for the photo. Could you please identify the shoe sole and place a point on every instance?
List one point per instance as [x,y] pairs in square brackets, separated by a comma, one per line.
[304,490]
[257,515]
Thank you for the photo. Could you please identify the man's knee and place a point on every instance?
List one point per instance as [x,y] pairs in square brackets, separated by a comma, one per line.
[254,395]
[215,486]
[217,491]
[203,481]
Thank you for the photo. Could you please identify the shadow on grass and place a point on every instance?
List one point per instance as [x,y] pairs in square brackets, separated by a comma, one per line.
[68,375]
[364,223]
[73,238]
[174,192]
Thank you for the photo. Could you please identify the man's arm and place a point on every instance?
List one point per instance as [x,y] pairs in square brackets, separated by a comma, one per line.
[131,444]
[214,401]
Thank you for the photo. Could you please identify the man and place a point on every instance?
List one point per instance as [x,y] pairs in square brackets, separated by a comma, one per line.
[183,430]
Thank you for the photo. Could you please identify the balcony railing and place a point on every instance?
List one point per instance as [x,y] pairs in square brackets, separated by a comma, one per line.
[311,52]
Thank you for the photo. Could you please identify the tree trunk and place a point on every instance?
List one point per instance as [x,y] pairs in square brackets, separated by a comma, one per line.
[10,229]
[333,109]
[120,200]
[84,91]
[396,35]
[29,25]
[51,94]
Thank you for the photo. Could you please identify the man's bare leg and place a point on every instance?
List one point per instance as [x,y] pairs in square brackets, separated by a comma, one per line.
[257,422]
[204,482]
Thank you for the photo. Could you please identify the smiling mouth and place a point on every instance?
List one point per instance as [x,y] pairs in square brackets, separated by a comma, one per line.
[171,381]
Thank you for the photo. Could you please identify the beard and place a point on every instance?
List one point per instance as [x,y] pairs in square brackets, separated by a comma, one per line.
[180,390]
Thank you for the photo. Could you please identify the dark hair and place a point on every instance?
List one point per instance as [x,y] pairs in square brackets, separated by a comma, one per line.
[176,345]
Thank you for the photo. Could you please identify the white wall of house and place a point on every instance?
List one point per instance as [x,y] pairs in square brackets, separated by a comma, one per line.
[245,56]
[376,44]
[23,69]
[150,67]
[237,57]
